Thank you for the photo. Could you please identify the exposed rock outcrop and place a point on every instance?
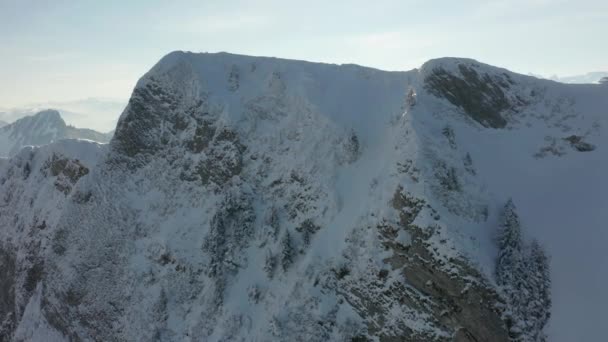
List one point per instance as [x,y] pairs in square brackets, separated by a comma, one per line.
[245,198]
[481,96]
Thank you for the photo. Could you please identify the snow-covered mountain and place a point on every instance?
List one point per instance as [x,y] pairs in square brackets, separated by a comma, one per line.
[3,123]
[41,129]
[97,113]
[261,199]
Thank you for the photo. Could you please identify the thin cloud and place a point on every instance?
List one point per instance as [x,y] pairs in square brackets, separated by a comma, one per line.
[55,57]
[224,23]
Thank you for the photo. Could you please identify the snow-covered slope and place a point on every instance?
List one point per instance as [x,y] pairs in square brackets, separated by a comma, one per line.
[549,159]
[40,129]
[255,199]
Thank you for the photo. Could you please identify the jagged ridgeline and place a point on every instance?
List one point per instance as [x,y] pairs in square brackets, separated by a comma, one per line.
[40,129]
[261,199]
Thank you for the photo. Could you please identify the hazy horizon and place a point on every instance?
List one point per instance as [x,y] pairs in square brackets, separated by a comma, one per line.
[66,51]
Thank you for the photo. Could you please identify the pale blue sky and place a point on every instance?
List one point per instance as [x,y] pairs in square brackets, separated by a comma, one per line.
[60,50]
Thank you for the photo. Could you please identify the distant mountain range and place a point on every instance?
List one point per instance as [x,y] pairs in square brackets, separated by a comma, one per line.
[97,113]
[590,77]
[40,129]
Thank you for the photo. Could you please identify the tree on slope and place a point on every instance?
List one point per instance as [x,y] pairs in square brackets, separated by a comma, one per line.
[539,301]
[510,267]
[523,275]
[509,264]
[287,251]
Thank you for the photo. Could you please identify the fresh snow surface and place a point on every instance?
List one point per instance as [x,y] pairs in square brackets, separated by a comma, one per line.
[560,198]
[34,326]
[562,202]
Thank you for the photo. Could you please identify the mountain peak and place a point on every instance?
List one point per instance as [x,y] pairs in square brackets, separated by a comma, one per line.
[49,114]
[255,198]
[183,87]
[40,129]
[447,62]
[50,117]
[482,91]
[455,65]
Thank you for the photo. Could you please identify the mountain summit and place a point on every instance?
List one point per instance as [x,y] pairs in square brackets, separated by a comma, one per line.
[40,129]
[251,198]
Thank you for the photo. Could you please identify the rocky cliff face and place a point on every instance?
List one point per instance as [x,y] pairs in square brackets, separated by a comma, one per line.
[481,94]
[248,198]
